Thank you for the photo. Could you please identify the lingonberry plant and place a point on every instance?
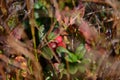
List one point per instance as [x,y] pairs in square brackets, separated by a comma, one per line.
[59,40]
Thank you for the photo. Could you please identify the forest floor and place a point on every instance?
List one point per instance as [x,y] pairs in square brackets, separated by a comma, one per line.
[59,40]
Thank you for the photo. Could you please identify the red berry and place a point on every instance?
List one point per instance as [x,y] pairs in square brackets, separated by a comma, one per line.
[52,44]
[61,44]
[59,39]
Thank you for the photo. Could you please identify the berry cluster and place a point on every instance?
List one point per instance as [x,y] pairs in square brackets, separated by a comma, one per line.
[58,42]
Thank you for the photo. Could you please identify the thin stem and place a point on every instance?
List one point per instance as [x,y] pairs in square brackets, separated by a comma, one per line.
[32,24]
[67,65]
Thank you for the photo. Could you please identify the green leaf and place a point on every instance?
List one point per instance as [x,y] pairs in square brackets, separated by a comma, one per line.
[41,32]
[61,67]
[80,51]
[60,50]
[51,36]
[37,5]
[36,14]
[79,48]
[73,68]
[71,57]
[47,53]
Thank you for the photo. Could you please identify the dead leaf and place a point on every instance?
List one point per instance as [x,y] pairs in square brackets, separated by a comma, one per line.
[3,7]
[90,33]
